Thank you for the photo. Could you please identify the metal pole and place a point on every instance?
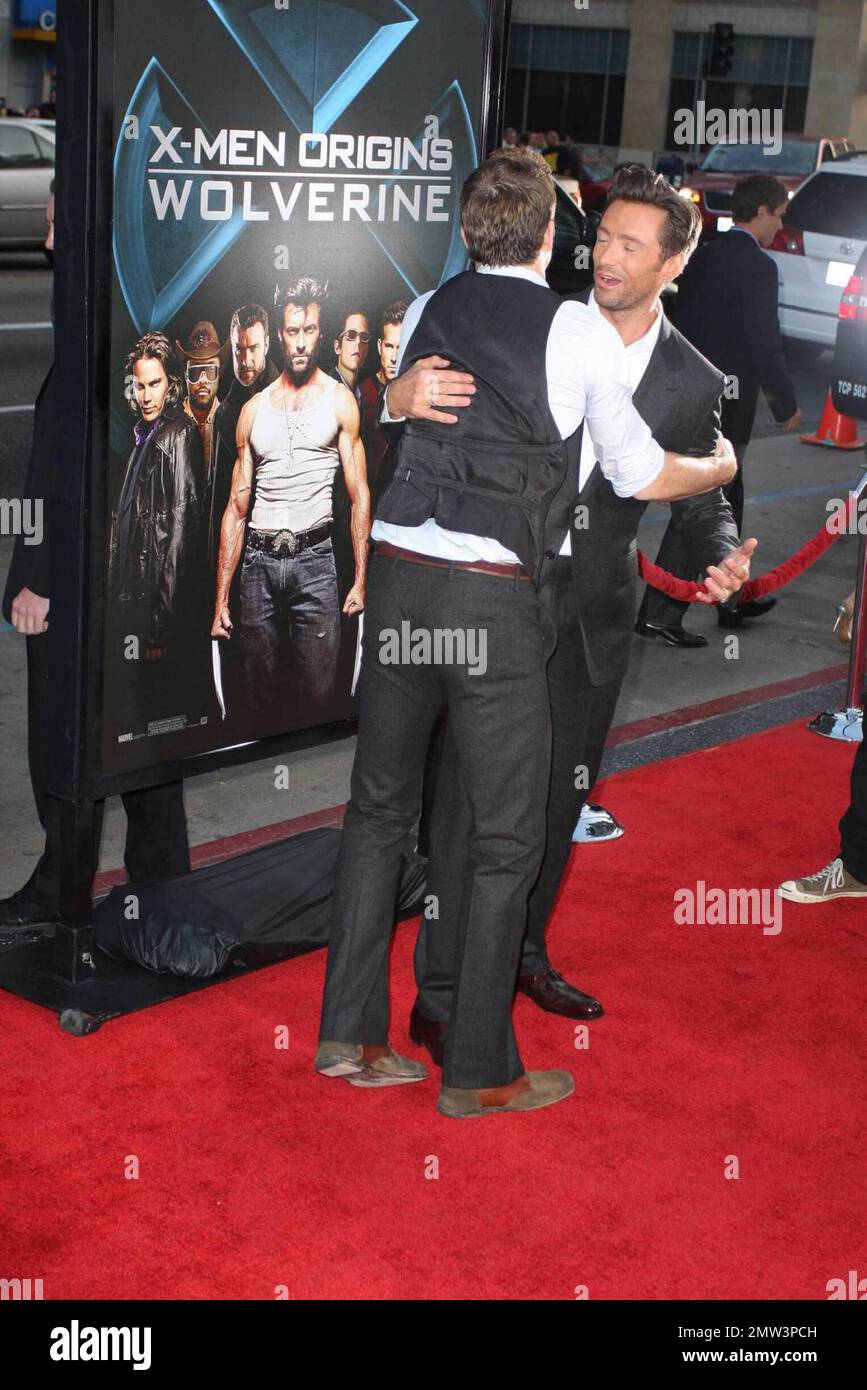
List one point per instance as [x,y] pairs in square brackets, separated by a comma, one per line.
[846,725]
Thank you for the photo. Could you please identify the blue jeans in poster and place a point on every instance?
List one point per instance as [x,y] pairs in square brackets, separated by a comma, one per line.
[290,631]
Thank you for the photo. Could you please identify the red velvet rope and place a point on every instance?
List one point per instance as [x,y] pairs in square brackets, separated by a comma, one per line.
[687,590]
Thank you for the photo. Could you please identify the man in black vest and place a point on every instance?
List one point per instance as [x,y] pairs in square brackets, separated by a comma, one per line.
[466,536]
[646,233]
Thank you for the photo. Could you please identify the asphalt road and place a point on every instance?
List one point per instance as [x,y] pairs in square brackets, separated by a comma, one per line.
[787,484]
[25,356]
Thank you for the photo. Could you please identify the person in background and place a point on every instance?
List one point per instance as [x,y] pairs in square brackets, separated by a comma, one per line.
[377,441]
[568,172]
[846,875]
[727,308]
[156,836]
[250,338]
[551,149]
[204,359]
[350,348]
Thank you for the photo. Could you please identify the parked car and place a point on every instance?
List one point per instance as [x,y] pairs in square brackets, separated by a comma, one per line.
[816,252]
[849,374]
[596,181]
[710,187]
[26,170]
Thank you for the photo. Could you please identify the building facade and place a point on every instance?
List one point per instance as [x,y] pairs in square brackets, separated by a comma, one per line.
[27,47]
[613,72]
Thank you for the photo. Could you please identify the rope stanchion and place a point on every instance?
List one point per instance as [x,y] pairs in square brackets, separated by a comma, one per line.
[687,591]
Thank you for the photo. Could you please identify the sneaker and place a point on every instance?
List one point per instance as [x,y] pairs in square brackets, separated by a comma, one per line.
[831,882]
[363,1066]
[595,823]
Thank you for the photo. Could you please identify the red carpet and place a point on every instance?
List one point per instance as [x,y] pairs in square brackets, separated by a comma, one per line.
[718,1041]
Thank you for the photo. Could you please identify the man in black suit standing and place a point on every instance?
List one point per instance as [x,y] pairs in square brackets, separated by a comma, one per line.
[156,837]
[646,233]
[727,308]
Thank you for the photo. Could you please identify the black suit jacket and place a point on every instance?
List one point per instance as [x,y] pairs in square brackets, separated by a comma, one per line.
[727,307]
[679,398]
[31,564]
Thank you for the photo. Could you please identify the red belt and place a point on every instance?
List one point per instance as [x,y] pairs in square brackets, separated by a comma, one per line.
[474,566]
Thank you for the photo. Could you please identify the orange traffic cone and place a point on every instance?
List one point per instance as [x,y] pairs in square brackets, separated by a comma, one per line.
[835,431]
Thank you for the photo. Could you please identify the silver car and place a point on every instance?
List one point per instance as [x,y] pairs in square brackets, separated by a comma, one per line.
[26,170]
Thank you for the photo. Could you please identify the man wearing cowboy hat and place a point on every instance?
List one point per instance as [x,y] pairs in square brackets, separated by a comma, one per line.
[204,359]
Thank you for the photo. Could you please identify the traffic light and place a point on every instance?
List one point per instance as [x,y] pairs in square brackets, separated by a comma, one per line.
[722,50]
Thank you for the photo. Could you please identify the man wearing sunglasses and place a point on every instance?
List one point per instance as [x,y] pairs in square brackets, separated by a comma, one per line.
[204,359]
[350,349]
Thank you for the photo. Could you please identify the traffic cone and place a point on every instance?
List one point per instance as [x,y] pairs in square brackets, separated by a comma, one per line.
[835,431]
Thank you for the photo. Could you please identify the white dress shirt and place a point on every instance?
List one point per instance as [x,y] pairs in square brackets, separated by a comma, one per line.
[638,357]
[588,378]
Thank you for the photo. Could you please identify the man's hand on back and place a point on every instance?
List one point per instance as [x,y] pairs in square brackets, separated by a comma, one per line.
[427,390]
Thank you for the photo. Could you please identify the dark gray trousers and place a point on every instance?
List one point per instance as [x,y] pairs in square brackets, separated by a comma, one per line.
[500,724]
[581,716]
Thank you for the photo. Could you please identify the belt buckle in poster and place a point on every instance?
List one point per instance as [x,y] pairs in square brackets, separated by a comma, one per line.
[286,544]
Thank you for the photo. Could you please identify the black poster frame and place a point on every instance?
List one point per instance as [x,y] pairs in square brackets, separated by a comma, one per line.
[83,305]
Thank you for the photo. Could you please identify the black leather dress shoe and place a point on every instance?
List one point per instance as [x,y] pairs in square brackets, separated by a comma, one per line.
[556,996]
[20,913]
[427,1032]
[755,608]
[675,636]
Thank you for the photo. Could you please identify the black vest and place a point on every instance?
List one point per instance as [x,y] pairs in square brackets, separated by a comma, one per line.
[502,470]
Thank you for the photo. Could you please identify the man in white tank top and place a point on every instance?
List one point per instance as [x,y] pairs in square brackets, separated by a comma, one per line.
[291,439]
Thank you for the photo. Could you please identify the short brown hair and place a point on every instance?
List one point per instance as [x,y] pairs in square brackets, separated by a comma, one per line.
[681,230]
[757,191]
[506,205]
[394,313]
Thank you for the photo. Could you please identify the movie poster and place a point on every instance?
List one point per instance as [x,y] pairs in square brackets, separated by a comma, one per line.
[286,180]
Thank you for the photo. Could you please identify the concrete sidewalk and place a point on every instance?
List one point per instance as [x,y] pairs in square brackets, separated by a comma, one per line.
[787,485]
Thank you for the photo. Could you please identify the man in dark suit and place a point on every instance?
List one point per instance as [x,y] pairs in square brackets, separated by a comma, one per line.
[156,839]
[727,308]
[645,234]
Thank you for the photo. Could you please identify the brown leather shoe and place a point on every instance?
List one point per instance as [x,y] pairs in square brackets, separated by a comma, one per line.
[429,1033]
[555,995]
[530,1092]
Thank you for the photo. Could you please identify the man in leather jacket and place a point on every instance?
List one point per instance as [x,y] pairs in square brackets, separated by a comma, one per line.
[156,578]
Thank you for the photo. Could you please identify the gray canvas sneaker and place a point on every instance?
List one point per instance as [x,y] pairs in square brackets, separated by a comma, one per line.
[831,882]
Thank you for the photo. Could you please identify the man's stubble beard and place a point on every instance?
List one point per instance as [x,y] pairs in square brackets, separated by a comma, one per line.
[299,380]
